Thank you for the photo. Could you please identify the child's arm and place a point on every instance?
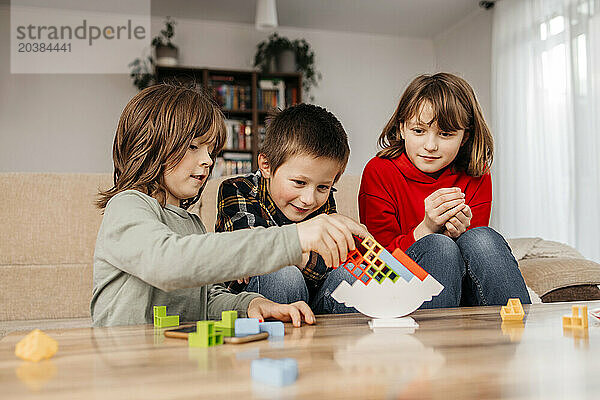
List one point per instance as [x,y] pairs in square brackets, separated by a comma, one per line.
[378,209]
[133,239]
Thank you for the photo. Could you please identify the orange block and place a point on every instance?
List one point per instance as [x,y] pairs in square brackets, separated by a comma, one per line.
[410,264]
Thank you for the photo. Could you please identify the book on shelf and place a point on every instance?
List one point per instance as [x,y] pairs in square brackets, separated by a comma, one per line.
[261,134]
[239,134]
[271,94]
[229,95]
[231,163]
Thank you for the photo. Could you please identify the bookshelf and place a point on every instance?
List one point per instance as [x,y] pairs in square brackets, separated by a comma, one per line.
[245,97]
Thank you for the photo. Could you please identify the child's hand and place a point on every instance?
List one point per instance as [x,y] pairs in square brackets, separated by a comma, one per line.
[262,308]
[305,260]
[458,224]
[244,280]
[440,206]
[330,235]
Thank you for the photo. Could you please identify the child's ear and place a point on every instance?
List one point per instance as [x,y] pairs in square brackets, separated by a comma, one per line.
[264,166]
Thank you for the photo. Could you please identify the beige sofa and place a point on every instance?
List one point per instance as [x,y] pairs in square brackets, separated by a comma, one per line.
[49,226]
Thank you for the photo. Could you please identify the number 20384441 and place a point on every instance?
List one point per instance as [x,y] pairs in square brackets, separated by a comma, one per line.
[43,47]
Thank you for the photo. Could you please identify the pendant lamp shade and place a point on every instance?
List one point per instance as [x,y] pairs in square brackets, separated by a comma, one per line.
[266,15]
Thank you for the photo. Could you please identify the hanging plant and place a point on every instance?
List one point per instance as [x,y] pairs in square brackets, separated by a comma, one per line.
[269,52]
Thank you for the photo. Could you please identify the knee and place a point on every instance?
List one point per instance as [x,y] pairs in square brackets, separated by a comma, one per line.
[284,286]
[438,254]
[336,276]
[482,240]
[437,244]
[291,278]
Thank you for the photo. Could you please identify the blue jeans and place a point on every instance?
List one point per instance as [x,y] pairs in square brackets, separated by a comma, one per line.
[288,286]
[476,269]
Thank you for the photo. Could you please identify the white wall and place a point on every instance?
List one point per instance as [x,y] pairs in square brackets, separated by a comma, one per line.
[65,123]
[465,49]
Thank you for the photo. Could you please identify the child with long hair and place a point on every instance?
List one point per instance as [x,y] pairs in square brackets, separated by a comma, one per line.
[151,251]
[429,193]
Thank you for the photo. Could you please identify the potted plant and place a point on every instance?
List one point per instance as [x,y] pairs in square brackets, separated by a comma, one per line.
[142,72]
[279,54]
[142,68]
[166,51]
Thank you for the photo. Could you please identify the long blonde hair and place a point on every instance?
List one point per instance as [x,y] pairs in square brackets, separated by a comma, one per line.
[455,107]
[154,132]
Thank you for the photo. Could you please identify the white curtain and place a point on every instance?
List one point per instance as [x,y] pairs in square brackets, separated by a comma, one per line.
[546,121]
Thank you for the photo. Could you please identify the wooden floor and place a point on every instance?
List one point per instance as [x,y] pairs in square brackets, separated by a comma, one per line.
[454,354]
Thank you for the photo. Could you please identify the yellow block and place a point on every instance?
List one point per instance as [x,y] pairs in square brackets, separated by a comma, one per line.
[512,311]
[576,320]
[36,346]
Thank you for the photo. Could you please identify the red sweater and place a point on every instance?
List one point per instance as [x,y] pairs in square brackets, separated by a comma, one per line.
[391,200]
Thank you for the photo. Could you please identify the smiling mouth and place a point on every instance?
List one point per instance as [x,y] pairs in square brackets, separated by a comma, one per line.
[198,177]
[430,158]
[298,209]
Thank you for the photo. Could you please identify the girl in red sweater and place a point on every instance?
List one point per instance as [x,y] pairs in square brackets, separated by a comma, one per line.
[429,192]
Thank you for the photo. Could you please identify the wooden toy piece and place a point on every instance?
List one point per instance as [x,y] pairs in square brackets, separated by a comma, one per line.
[36,346]
[576,320]
[275,329]
[246,326]
[512,311]
[274,372]
[161,320]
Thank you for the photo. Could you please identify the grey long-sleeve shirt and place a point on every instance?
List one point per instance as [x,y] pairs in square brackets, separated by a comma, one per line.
[148,255]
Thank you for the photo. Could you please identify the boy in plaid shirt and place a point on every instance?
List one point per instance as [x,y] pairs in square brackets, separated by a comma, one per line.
[304,153]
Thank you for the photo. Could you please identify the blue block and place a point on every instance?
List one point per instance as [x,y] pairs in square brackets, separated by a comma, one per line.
[279,372]
[246,326]
[396,265]
[275,329]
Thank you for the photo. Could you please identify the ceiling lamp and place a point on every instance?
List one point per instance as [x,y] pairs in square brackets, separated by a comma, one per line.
[266,15]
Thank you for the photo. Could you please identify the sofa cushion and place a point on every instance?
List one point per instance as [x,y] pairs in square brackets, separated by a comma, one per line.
[544,275]
[49,218]
[45,291]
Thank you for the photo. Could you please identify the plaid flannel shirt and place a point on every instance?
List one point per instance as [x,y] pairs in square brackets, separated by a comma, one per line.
[244,202]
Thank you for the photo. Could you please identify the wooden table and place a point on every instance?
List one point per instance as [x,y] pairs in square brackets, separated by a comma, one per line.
[454,354]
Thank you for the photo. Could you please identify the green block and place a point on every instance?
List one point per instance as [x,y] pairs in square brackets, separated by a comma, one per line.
[161,320]
[205,335]
[227,319]
[226,331]
[159,311]
[165,322]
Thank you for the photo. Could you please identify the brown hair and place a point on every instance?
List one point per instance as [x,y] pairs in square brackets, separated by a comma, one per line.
[455,107]
[305,129]
[154,132]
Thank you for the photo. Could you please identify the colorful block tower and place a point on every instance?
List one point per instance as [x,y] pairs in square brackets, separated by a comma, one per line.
[371,261]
